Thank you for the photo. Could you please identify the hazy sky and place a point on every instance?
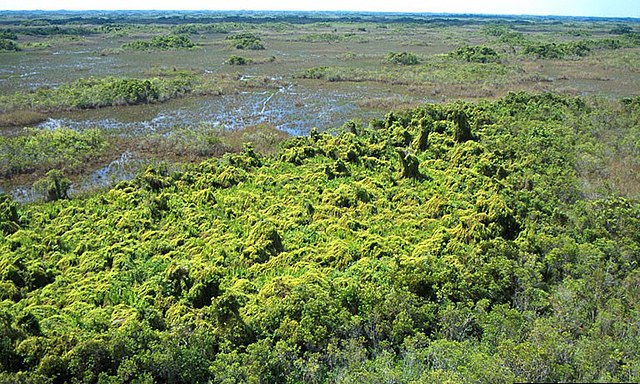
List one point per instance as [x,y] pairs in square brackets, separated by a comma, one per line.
[615,8]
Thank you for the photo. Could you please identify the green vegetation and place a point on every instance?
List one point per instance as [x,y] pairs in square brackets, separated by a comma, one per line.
[239,60]
[434,71]
[493,239]
[55,30]
[622,29]
[8,34]
[402,58]
[186,29]
[326,37]
[165,42]
[559,51]
[9,219]
[96,93]
[245,40]
[54,186]
[505,34]
[447,243]
[8,45]
[478,54]
[577,48]
[41,150]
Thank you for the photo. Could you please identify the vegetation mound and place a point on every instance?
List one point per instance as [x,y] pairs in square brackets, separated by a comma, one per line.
[165,42]
[238,60]
[8,45]
[478,54]
[245,40]
[402,58]
[100,92]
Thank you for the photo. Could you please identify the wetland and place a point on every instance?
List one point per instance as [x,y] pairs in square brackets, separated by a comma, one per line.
[282,197]
[309,70]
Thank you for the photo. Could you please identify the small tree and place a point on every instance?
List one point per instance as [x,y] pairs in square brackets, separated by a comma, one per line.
[409,165]
[238,60]
[9,218]
[8,45]
[55,185]
[402,58]
[462,127]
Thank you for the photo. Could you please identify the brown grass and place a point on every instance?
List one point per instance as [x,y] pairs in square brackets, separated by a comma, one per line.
[265,138]
[624,176]
[21,118]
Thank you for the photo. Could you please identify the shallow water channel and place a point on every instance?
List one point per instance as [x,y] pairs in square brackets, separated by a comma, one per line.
[294,109]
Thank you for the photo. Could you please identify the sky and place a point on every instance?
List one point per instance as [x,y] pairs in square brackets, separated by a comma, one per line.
[602,8]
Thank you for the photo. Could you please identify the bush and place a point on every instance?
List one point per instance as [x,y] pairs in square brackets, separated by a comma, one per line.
[474,257]
[8,34]
[479,54]
[238,60]
[165,42]
[96,93]
[545,51]
[402,58]
[186,29]
[577,48]
[315,73]
[9,219]
[56,30]
[55,186]
[621,29]
[43,150]
[246,40]
[8,45]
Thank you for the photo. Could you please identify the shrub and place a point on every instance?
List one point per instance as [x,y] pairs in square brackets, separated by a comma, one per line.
[43,150]
[164,42]
[8,45]
[246,40]
[9,219]
[315,73]
[621,29]
[95,93]
[479,54]
[577,48]
[545,51]
[402,58]
[55,186]
[186,29]
[8,34]
[56,30]
[238,60]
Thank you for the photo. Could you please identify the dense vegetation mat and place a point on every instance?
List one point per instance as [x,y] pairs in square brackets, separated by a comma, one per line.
[449,243]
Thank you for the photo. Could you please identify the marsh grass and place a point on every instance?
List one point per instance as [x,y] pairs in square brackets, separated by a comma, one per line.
[21,118]
[389,103]
[265,138]
[193,144]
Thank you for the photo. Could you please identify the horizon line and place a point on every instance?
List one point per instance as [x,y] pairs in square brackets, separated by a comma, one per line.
[322,11]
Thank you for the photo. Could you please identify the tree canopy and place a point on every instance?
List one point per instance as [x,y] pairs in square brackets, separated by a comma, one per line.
[448,243]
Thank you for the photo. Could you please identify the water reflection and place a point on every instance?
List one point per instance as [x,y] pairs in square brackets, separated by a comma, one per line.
[291,109]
